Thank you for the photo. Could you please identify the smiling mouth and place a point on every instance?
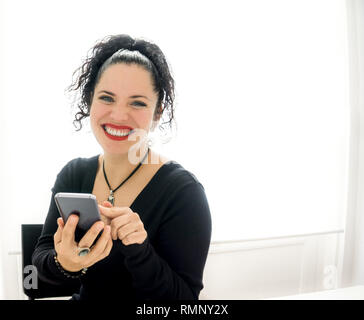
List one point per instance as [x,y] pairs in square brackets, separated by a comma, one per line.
[117,132]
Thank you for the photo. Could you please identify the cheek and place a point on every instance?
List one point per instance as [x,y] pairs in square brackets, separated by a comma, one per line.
[96,112]
[144,118]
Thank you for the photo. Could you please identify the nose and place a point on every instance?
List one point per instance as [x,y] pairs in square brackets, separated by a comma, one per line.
[120,112]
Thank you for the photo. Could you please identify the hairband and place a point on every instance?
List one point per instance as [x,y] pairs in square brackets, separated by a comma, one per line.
[107,61]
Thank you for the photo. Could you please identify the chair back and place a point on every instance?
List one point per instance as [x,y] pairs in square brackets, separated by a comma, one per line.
[30,234]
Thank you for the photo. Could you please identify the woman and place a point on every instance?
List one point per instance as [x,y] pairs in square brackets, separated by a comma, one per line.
[153,240]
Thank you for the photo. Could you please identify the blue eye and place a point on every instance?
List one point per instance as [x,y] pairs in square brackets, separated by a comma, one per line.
[139,104]
[134,103]
[106,98]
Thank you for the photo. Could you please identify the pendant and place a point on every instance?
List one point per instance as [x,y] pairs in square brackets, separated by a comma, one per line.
[111,198]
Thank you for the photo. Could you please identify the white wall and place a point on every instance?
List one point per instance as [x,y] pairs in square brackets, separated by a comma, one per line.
[262,74]
[265,268]
[353,264]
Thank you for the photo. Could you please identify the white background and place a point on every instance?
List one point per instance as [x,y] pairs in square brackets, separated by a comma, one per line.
[262,108]
[262,105]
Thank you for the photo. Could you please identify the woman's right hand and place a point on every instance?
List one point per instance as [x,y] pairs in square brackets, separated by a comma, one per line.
[67,248]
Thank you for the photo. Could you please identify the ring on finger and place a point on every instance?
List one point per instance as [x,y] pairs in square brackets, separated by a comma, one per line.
[82,251]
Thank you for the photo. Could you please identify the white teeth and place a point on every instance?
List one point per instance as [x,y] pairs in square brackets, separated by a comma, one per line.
[117,133]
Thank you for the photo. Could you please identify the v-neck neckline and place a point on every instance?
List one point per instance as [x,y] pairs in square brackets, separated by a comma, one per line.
[152,181]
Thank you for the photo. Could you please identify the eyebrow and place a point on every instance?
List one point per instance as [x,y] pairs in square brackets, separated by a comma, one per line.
[113,94]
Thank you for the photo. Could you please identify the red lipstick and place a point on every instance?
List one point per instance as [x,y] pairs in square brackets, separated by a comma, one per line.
[113,126]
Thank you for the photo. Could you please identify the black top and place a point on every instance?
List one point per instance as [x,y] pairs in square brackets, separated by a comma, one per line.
[168,265]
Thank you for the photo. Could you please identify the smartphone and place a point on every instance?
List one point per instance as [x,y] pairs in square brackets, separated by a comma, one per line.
[82,204]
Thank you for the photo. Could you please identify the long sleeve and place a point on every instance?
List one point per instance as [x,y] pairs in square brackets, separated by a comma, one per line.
[168,265]
[43,255]
[172,267]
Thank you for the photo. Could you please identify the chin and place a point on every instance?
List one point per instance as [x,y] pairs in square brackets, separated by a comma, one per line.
[116,151]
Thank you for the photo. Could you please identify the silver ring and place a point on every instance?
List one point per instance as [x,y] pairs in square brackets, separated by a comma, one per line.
[83,251]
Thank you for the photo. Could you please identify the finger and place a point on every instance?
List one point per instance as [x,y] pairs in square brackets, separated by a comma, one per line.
[114,212]
[127,223]
[60,222]
[108,248]
[127,230]
[68,233]
[100,246]
[58,235]
[136,237]
[107,204]
[90,236]
[105,219]
[117,223]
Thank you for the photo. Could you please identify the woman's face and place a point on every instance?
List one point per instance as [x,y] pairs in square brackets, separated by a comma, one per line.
[123,100]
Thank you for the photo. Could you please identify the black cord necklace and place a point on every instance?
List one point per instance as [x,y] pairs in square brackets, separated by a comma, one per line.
[111,196]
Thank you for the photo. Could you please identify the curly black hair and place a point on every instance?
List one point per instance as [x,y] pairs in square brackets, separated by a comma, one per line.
[123,48]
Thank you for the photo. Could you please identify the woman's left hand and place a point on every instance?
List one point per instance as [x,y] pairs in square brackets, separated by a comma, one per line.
[125,224]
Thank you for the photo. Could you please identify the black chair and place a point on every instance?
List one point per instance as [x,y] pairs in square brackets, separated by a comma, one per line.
[29,238]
